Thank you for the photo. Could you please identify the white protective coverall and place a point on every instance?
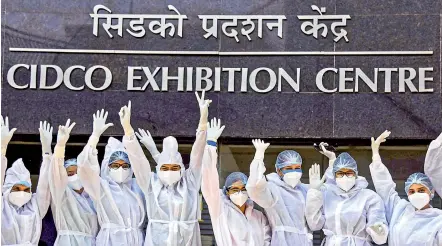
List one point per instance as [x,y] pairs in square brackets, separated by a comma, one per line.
[120,207]
[345,216]
[408,226]
[75,216]
[22,225]
[172,210]
[284,206]
[230,226]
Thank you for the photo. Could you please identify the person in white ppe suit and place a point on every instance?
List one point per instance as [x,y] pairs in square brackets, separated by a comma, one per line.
[22,211]
[74,212]
[234,220]
[282,196]
[118,200]
[413,222]
[171,193]
[347,212]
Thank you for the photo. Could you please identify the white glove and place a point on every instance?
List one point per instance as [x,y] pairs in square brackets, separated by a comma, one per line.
[376,143]
[45,137]
[378,232]
[260,147]
[329,154]
[146,139]
[62,138]
[125,119]
[99,127]
[6,134]
[315,177]
[215,130]
[204,110]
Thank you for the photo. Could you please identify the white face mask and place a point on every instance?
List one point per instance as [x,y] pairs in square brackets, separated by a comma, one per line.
[419,200]
[119,175]
[292,179]
[169,177]
[74,182]
[19,198]
[346,183]
[239,198]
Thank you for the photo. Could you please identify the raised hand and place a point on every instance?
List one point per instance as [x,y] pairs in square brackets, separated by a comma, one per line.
[125,119]
[100,125]
[260,147]
[6,134]
[204,109]
[315,177]
[375,144]
[215,130]
[45,130]
[64,133]
[329,154]
[146,139]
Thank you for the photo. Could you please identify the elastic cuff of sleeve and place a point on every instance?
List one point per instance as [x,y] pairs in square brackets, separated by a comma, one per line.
[202,126]
[93,141]
[331,161]
[211,143]
[129,132]
[59,151]
[315,192]
[376,157]
[258,156]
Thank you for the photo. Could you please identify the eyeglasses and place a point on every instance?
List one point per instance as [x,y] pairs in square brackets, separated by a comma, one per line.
[115,166]
[349,174]
[236,190]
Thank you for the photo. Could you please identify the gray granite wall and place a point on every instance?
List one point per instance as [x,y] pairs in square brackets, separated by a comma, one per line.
[375,25]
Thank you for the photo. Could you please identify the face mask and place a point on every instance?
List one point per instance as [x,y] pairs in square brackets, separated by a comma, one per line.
[19,198]
[74,182]
[119,175]
[346,183]
[169,177]
[419,200]
[239,198]
[292,178]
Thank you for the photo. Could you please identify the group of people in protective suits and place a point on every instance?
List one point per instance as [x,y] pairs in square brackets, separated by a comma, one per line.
[124,202]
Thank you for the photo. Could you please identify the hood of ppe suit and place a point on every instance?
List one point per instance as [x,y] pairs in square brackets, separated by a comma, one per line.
[113,145]
[419,178]
[170,154]
[344,160]
[16,174]
[287,158]
[170,158]
[232,178]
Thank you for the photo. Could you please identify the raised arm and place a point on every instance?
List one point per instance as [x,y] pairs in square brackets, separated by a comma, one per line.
[315,201]
[43,191]
[257,186]
[433,164]
[331,159]
[6,136]
[210,177]
[196,155]
[382,180]
[138,160]
[88,169]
